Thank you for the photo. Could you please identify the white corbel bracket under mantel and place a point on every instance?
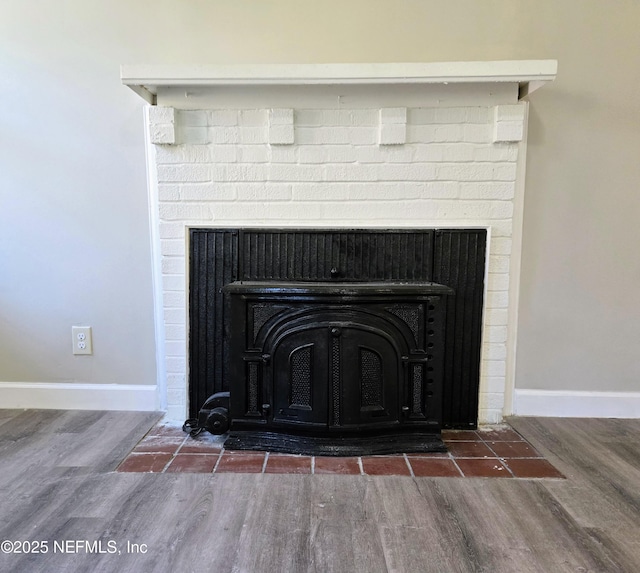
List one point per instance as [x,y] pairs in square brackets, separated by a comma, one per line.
[529,75]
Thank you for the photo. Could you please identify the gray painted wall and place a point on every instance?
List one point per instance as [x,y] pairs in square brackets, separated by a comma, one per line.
[74,245]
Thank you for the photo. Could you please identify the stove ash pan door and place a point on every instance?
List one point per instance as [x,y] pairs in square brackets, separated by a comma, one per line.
[335,361]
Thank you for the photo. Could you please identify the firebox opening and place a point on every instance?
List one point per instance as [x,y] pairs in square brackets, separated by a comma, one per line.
[326,333]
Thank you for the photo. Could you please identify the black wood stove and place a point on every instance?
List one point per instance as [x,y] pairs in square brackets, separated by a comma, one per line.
[333,342]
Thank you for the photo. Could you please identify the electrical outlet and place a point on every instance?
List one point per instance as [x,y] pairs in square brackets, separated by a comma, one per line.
[82,343]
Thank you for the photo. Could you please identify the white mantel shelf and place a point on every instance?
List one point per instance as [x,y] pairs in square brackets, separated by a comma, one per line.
[145,80]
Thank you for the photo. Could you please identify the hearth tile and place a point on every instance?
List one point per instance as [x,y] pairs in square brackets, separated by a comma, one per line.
[460,436]
[159,444]
[284,464]
[247,463]
[330,465]
[532,468]
[244,452]
[168,431]
[428,455]
[500,435]
[144,463]
[193,463]
[469,450]
[385,466]
[483,468]
[433,467]
[203,446]
[513,450]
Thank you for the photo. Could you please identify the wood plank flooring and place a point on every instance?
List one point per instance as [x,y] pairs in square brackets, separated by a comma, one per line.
[58,484]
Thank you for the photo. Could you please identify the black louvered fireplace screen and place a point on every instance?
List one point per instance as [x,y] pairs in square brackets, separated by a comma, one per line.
[267,302]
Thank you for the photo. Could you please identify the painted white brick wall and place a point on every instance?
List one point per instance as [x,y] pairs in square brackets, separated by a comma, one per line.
[330,169]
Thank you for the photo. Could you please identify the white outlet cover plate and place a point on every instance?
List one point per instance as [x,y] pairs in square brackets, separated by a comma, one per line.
[81,338]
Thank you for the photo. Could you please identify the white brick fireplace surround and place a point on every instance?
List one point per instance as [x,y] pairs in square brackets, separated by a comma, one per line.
[354,146]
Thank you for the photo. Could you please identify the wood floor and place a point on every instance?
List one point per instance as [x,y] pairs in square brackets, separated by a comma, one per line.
[57,485]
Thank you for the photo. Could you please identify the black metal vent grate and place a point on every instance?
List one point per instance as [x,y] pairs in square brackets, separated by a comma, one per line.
[301,377]
[371,379]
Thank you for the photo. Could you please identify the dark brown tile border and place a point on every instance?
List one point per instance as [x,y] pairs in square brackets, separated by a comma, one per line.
[344,466]
[192,447]
[143,462]
[532,468]
[193,463]
[385,466]
[513,450]
[159,444]
[470,450]
[461,436]
[435,467]
[285,464]
[492,467]
[250,463]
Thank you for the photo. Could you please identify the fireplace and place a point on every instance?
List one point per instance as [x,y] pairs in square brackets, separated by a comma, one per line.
[324,333]
[436,149]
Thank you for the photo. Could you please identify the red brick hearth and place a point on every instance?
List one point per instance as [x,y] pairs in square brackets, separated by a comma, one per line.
[494,452]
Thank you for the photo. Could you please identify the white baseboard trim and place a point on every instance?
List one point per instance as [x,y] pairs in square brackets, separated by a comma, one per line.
[566,404]
[70,396]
